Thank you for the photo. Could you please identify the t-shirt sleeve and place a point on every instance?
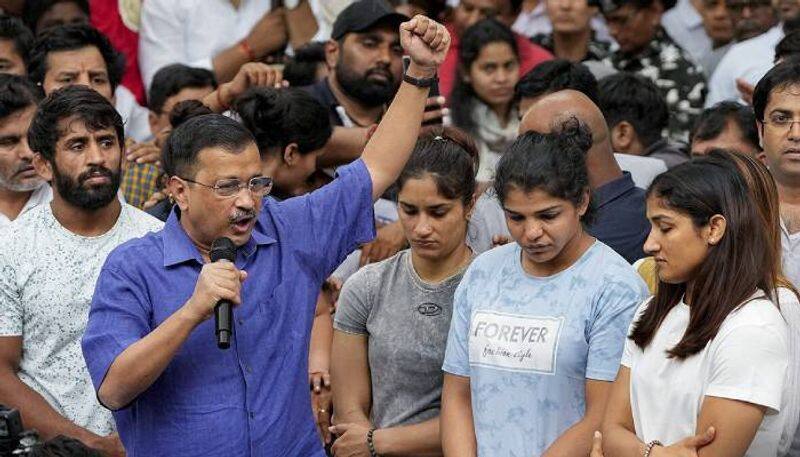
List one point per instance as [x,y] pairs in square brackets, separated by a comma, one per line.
[117,319]
[456,357]
[338,217]
[355,303]
[631,349]
[608,332]
[11,312]
[749,364]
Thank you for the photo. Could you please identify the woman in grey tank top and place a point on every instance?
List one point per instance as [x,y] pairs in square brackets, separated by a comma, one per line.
[393,316]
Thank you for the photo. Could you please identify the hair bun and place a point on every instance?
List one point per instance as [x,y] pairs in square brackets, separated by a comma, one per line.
[185,110]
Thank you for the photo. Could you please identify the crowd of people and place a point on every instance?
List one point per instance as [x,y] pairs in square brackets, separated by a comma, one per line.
[460,228]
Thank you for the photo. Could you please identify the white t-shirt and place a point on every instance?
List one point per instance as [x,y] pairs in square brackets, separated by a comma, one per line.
[750,60]
[790,439]
[192,32]
[790,255]
[643,170]
[746,361]
[42,194]
[47,279]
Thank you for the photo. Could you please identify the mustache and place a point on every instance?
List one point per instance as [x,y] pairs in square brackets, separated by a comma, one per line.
[24,166]
[95,171]
[384,71]
[240,215]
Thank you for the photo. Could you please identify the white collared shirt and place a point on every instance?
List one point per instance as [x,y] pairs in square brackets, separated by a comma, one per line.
[134,115]
[536,21]
[790,255]
[192,32]
[43,194]
[685,26]
[643,170]
[751,60]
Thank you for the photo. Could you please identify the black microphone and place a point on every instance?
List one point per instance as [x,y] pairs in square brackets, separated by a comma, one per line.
[223,249]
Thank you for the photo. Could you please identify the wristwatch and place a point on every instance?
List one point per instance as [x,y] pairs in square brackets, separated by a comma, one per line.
[420,82]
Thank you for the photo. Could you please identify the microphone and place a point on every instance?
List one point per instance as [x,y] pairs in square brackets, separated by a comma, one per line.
[223,249]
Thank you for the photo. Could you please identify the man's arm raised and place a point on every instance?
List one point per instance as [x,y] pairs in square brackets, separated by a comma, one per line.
[387,152]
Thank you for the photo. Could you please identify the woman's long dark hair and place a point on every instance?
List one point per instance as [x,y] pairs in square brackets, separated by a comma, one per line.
[739,265]
[475,38]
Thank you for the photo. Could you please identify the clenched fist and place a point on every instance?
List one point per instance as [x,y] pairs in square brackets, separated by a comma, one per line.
[426,42]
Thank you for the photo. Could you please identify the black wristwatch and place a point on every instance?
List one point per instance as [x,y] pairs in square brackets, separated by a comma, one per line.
[420,82]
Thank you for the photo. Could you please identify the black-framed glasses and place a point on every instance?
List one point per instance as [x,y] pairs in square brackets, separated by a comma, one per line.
[260,186]
[780,121]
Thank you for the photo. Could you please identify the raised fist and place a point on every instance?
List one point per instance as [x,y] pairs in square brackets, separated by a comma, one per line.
[426,42]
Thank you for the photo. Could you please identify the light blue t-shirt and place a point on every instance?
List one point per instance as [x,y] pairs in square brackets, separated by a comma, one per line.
[528,344]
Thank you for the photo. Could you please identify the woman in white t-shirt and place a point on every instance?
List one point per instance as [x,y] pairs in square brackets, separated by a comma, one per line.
[705,363]
[393,316]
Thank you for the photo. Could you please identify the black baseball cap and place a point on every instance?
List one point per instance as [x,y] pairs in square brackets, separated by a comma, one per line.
[362,15]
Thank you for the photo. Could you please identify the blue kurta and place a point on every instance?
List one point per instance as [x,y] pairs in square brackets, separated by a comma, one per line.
[252,399]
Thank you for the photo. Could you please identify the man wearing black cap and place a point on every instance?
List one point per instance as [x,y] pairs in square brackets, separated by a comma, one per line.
[365,57]
[646,49]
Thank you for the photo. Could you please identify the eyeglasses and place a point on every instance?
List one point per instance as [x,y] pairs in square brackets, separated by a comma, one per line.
[260,185]
[780,121]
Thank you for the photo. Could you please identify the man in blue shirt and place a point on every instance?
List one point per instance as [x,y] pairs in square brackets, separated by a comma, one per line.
[149,345]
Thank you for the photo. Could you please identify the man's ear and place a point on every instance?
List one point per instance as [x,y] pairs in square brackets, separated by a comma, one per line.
[332,50]
[178,190]
[152,119]
[291,154]
[43,167]
[622,136]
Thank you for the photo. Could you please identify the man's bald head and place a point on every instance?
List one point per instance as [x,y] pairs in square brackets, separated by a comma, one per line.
[552,110]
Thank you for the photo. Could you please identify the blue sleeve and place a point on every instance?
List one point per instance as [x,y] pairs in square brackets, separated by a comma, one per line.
[119,317]
[331,222]
[456,356]
[613,312]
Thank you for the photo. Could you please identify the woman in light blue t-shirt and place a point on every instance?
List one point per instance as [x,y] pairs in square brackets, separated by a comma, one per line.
[538,325]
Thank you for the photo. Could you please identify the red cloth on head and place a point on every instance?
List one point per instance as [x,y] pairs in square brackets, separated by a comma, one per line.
[106,18]
[530,55]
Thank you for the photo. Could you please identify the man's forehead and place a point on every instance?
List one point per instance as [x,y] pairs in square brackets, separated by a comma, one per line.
[487,4]
[785,97]
[219,162]
[18,120]
[75,125]
[76,58]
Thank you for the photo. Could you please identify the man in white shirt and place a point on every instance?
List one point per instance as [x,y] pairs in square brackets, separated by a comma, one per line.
[684,24]
[533,20]
[746,62]
[50,261]
[776,102]
[219,35]
[21,188]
